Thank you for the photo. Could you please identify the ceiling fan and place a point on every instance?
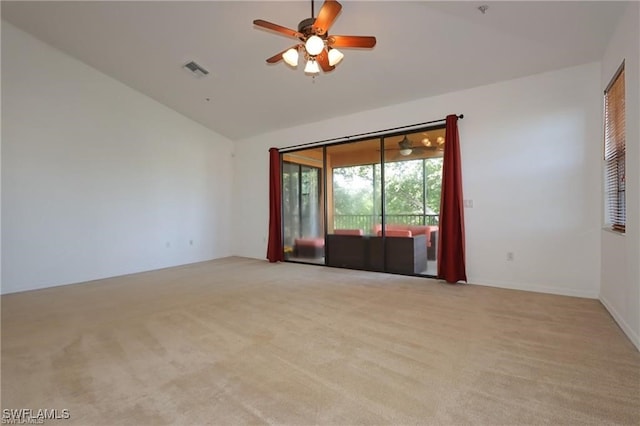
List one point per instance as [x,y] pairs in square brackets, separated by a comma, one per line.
[406,147]
[318,47]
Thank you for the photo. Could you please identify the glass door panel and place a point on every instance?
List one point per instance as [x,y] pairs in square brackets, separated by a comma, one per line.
[303,206]
[354,205]
[412,183]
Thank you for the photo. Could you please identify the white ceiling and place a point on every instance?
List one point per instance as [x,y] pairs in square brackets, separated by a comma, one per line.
[424,49]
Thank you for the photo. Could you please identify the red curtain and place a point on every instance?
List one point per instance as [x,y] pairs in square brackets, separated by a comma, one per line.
[451,256]
[275,252]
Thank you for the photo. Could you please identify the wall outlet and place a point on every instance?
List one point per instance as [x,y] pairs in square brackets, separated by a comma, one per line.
[167,244]
[468,203]
[510,256]
[190,242]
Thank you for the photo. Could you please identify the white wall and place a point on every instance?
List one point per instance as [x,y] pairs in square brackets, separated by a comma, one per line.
[620,288]
[531,165]
[98,179]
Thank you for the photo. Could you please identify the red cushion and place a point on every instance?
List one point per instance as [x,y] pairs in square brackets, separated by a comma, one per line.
[413,229]
[348,232]
[396,233]
[310,242]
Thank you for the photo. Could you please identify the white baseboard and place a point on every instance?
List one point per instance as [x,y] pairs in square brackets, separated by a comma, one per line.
[589,294]
[633,336]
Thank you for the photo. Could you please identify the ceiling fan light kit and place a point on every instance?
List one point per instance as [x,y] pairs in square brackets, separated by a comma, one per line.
[335,56]
[311,67]
[314,45]
[320,49]
[291,57]
[405,146]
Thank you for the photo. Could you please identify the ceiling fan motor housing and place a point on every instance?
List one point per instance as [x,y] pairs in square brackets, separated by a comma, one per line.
[306,28]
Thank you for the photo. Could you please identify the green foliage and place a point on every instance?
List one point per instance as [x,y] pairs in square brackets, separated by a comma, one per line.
[403,187]
[433,167]
[356,194]
[353,190]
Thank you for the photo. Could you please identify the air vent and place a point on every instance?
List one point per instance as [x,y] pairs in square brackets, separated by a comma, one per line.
[196,69]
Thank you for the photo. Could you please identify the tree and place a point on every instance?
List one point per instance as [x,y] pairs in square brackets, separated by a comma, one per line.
[433,167]
[353,190]
[356,193]
[403,187]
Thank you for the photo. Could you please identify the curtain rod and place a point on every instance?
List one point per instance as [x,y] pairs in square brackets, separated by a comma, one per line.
[360,135]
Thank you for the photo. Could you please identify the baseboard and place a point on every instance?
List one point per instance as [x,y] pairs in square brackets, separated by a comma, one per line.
[634,337]
[4,291]
[589,294]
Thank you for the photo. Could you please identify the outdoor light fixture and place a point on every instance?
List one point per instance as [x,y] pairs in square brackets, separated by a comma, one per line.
[405,146]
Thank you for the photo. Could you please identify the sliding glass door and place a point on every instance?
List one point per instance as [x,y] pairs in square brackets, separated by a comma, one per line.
[372,204]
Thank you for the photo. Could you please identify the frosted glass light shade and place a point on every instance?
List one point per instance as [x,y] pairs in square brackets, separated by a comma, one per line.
[291,57]
[314,45]
[335,56]
[312,67]
[405,152]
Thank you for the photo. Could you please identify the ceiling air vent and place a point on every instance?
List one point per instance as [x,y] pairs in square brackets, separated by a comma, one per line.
[196,69]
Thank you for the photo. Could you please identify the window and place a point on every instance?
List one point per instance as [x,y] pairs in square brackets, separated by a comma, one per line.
[614,152]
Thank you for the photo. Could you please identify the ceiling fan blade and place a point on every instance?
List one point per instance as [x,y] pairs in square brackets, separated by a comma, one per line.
[326,16]
[278,28]
[278,57]
[351,41]
[323,61]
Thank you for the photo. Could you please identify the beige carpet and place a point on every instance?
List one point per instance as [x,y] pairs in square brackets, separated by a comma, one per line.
[237,341]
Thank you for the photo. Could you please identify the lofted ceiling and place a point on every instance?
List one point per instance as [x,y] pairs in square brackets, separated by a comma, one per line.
[423,49]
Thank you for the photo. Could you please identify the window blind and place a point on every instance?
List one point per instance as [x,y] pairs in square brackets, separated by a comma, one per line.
[614,152]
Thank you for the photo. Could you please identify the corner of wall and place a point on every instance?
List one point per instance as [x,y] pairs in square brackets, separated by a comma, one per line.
[620,320]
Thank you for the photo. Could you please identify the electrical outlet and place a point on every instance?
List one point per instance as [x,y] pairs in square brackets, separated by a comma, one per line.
[510,256]
[468,204]
[190,242]
[167,244]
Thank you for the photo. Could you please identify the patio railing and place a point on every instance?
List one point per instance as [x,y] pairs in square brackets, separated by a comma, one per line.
[367,222]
